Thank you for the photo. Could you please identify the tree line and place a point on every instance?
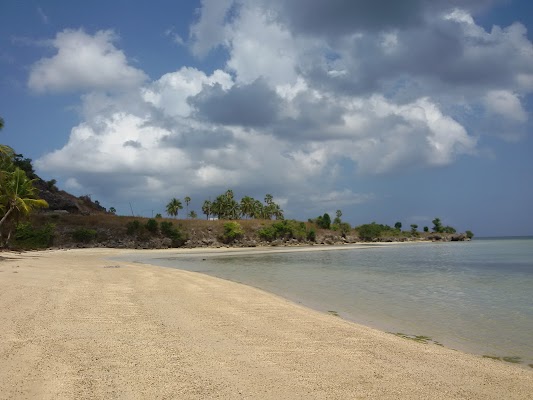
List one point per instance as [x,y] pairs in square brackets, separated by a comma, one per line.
[226,206]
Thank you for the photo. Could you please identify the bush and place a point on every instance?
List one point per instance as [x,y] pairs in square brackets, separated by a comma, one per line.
[152,226]
[469,234]
[311,235]
[133,227]
[28,237]
[168,230]
[84,235]
[369,232]
[232,231]
[286,229]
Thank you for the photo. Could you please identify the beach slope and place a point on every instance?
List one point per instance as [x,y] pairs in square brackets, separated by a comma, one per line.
[74,325]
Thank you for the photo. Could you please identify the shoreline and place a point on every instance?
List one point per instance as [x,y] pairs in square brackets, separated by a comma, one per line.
[77,325]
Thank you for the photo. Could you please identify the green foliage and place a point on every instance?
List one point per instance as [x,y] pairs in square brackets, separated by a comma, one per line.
[28,237]
[112,210]
[193,215]
[232,231]
[426,229]
[324,221]
[51,185]
[369,232]
[84,235]
[284,229]
[152,226]
[448,229]
[311,235]
[398,225]
[133,227]
[24,164]
[414,228]
[168,230]
[469,234]
[343,227]
[158,215]
[437,225]
[173,207]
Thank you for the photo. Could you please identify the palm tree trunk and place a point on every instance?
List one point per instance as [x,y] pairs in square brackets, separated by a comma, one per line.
[6,215]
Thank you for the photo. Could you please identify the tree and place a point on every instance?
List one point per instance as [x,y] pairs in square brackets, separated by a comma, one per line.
[206,208]
[112,210]
[469,234]
[426,229]
[324,221]
[193,214]
[18,196]
[247,206]
[338,215]
[1,123]
[437,225]
[187,200]
[414,227]
[173,207]
[398,225]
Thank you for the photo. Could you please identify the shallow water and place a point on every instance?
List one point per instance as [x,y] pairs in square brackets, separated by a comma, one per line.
[472,296]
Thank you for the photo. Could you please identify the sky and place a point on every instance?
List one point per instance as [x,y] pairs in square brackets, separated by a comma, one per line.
[387,110]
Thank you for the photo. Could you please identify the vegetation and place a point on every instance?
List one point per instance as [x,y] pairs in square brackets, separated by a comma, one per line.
[18,195]
[84,235]
[286,229]
[469,234]
[173,207]
[28,237]
[232,231]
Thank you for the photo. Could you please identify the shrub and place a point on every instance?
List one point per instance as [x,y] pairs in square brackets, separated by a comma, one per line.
[152,226]
[285,229]
[84,235]
[133,227]
[232,231]
[168,230]
[469,234]
[369,232]
[311,235]
[28,237]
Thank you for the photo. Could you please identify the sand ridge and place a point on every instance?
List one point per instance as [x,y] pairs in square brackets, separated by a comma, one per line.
[75,325]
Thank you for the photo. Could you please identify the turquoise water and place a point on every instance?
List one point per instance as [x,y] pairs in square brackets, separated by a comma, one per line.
[472,296]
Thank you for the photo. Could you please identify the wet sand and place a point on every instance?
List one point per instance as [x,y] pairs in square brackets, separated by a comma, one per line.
[75,325]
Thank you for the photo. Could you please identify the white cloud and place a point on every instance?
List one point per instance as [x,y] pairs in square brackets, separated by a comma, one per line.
[84,62]
[506,104]
[294,108]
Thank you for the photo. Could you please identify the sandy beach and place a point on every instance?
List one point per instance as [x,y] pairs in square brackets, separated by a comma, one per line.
[75,325]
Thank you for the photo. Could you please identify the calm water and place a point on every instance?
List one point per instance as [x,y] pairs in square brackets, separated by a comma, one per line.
[475,296]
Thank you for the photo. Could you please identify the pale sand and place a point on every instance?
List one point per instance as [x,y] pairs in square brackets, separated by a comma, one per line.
[72,327]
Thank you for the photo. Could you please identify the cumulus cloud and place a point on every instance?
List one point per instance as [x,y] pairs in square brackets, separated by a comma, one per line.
[301,98]
[84,62]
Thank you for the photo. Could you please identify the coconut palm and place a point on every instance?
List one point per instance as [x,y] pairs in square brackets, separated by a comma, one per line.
[173,207]
[187,201]
[207,208]
[18,196]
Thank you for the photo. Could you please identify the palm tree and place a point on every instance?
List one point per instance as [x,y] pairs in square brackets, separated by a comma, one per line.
[18,196]
[187,201]
[193,214]
[206,208]
[173,207]
[1,123]
[247,206]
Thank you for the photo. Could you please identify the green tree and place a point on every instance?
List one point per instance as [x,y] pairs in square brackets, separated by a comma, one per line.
[158,215]
[112,210]
[187,200]
[414,227]
[173,207]
[469,234]
[398,226]
[338,215]
[247,206]
[437,225]
[426,229]
[18,197]
[193,214]
[324,221]
[207,208]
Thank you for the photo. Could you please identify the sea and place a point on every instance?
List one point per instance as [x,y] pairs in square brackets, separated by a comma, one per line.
[475,296]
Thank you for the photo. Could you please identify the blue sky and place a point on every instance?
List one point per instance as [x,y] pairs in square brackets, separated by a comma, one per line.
[389,111]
